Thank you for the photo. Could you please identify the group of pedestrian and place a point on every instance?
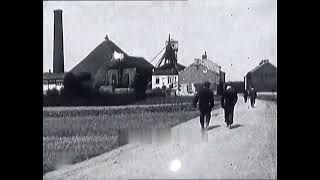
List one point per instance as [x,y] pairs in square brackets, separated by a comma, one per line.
[252,93]
[205,100]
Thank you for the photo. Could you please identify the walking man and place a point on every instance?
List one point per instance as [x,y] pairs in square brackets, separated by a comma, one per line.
[206,103]
[228,101]
[253,96]
[245,95]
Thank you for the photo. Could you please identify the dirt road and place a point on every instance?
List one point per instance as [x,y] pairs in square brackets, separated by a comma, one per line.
[249,150]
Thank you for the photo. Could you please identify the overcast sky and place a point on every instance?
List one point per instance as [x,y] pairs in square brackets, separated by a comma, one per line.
[237,34]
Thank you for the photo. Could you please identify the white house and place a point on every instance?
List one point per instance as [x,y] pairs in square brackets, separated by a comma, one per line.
[158,81]
[166,76]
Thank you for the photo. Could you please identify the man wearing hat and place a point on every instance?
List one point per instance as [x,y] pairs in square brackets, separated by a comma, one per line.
[228,101]
[253,96]
[206,103]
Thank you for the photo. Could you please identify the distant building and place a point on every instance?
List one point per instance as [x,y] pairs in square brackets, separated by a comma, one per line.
[55,80]
[111,69]
[166,75]
[123,71]
[263,77]
[52,81]
[106,67]
[192,78]
[97,62]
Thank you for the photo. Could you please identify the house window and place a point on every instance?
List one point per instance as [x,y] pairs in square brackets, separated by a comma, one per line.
[168,80]
[157,80]
[126,79]
[175,78]
[189,88]
[113,79]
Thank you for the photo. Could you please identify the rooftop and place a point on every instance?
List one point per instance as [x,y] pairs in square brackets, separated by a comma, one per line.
[169,69]
[262,63]
[130,61]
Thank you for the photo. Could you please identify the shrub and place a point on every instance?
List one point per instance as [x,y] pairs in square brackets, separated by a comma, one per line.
[52,92]
[140,85]
[93,99]
[156,93]
[61,92]
[78,86]
[71,85]
[168,92]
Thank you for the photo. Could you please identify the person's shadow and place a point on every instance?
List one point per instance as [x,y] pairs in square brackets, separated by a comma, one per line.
[236,126]
[212,127]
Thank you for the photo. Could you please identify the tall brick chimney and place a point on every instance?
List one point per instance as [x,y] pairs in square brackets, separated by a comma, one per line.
[58,57]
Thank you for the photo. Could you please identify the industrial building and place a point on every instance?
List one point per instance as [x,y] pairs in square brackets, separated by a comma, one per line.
[166,75]
[263,77]
[191,78]
[106,66]
[54,80]
[109,68]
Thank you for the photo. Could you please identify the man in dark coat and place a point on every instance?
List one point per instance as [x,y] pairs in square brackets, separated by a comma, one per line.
[206,103]
[245,95]
[253,96]
[228,101]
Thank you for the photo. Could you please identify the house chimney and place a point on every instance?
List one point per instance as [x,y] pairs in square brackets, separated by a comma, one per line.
[58,57]
[106,38]
[264,61]
[205,55]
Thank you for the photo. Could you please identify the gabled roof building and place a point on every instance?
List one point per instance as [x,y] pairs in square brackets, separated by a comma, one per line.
[263,77]
[201,70]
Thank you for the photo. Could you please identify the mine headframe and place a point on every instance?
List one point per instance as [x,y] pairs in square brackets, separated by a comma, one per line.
[170,54]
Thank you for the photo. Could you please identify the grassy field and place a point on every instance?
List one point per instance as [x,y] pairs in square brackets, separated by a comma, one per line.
[170,100]
[111,110]
[113,100]
[166,100]
[75,135]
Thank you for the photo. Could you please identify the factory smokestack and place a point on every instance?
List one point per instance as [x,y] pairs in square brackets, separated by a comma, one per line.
[58,57]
